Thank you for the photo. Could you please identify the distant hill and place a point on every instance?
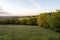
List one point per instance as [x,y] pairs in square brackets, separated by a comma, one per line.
[17,16]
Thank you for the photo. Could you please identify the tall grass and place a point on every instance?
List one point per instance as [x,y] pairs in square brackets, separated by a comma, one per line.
[23,32]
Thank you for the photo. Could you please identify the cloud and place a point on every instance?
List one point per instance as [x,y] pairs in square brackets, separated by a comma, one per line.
[34,2]
[4,13]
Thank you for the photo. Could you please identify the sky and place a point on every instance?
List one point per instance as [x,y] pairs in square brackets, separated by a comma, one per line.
[27,7]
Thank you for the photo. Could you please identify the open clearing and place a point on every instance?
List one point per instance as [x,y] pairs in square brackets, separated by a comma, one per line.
[23,32]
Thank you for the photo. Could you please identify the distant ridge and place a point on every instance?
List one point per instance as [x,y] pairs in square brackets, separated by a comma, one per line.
[17,16]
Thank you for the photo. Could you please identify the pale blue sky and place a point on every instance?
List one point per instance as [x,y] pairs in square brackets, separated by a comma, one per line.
[28,7]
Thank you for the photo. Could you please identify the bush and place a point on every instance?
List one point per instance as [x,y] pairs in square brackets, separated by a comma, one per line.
[51,21]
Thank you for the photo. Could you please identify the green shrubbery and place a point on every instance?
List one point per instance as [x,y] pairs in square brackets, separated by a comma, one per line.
[51,21]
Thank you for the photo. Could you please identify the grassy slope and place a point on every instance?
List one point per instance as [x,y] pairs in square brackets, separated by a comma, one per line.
[19,32]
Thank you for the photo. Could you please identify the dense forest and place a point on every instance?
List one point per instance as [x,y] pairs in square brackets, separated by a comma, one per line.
[49,20]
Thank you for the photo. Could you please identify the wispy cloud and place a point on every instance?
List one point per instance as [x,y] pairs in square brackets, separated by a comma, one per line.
[35,3]
[4,13]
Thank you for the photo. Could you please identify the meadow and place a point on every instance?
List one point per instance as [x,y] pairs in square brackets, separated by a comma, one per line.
[25,32]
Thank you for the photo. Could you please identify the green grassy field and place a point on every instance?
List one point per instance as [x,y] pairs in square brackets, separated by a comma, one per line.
[23,32]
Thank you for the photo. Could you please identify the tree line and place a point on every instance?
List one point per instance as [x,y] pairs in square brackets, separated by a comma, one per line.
[19,21]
